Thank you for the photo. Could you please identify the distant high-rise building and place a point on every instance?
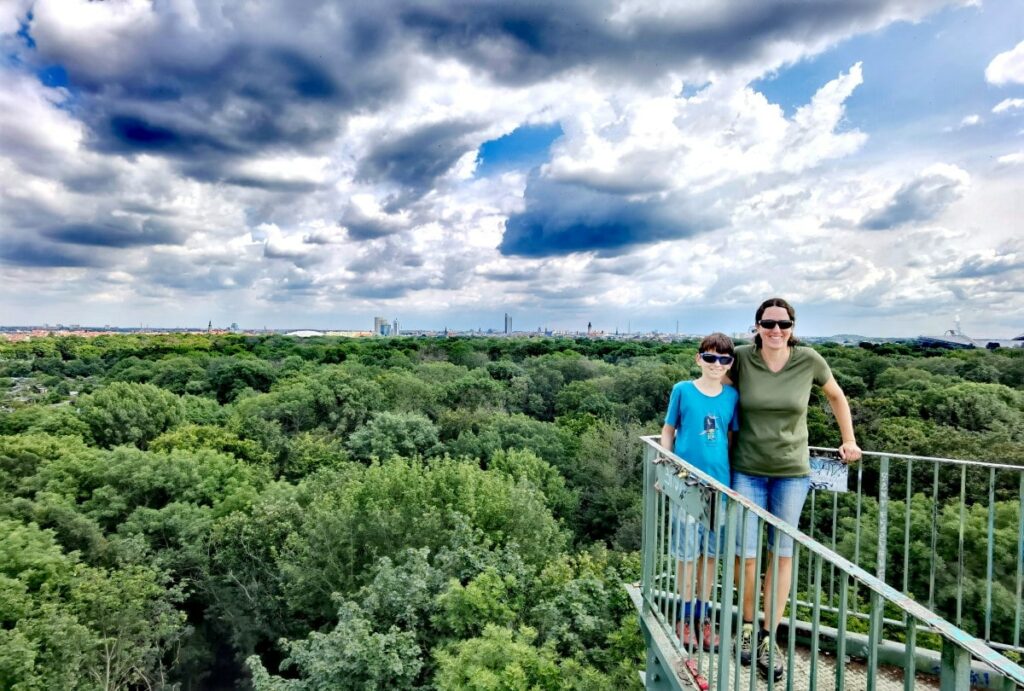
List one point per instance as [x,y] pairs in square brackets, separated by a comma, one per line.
[378,326]
[508,323]
[394,328]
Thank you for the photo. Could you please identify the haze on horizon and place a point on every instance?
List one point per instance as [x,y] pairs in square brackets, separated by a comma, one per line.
[314,164]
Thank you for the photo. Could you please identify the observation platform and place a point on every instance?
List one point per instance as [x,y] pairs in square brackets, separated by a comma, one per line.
[911,573]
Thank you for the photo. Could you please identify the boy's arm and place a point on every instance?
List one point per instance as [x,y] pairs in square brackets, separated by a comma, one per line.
[668,437]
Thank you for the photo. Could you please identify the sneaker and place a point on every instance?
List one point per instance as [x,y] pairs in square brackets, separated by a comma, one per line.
[689,639]
[766,647]
[746,644]
[709,636]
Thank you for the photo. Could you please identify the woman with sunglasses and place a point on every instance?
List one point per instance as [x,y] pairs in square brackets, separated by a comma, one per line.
[770,460]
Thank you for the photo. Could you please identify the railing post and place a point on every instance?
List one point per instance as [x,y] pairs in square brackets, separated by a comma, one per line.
[725,610]
[955,672]
[649,527]
[883,517]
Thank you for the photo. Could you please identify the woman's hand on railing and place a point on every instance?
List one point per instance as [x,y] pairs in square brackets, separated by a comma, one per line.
[849,452]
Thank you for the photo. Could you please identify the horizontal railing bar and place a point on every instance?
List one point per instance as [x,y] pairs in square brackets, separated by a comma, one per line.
[947,630]
[910,457]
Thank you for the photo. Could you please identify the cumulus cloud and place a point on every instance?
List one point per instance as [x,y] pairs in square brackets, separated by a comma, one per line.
[1008,104]
[971,120]
[920,199]
[1014,159]
[1007,67]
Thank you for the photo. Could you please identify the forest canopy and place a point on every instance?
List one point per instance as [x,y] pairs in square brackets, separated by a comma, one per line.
[281,513]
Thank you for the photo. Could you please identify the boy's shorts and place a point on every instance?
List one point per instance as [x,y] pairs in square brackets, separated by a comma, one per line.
[690,538]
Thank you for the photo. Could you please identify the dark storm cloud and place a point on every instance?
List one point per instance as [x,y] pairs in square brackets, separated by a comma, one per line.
[384,291]
[563,218]
[416,159]
[34,253]
[521,42]
[197,276]
[511,275]
[360,226]
[916,201]
[984,267]
[118,234]
[240,103]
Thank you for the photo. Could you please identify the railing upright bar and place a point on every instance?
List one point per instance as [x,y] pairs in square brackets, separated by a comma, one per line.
[955,667]
[772,604]
[883,518]
[1020,564]
[856,528]
[844,583]
[813,522]
[906,537]
[650,497]
[725,640]
[935,532]
[700,570]
[791,637]
[831,566]
[757,603]
[991,543]
[874,638]
[960,547]
[741,587]
[815,619]
[667,583]
[910,656]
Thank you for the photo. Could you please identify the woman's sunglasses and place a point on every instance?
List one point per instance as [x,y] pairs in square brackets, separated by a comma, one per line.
[769,324]
[712,358]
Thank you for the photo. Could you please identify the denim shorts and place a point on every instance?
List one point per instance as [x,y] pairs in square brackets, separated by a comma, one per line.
[782,496]
[690,538]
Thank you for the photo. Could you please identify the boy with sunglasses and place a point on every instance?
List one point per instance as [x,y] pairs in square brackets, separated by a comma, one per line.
[698,427]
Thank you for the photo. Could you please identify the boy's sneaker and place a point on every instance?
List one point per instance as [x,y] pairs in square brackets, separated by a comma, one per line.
[766,648]
[689,639]
[746,644]
[708,635]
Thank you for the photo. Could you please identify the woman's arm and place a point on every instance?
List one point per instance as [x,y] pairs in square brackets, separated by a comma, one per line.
[848,451]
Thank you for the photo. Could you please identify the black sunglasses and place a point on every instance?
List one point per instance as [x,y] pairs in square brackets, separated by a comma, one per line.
[712,358]
[769,324]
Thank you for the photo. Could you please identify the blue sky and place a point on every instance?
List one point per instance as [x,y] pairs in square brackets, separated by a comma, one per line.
[616,162]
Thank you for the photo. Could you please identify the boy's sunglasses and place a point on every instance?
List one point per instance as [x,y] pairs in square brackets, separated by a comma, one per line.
[769,324]
[712,358]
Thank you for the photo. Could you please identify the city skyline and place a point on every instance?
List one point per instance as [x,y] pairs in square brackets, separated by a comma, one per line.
[315,165]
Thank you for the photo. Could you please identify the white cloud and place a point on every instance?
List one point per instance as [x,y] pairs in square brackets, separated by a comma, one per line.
[654,143]
[970,120]
[1008,104]
[1014,159]
[1007,68]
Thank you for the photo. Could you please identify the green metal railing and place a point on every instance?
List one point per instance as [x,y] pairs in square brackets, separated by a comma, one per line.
[842,609]
[959,548]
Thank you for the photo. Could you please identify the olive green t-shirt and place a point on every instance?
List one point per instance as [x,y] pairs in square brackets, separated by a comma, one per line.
[772,439]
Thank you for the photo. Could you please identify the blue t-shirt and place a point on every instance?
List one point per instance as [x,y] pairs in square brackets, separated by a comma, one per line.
[702,423]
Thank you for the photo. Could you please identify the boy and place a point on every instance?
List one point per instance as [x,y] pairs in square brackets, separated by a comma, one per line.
[699,424]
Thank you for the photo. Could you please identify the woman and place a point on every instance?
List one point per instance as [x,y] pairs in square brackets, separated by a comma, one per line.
[770,462]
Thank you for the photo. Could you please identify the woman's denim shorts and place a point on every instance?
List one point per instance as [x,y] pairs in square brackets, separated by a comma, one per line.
[782,496]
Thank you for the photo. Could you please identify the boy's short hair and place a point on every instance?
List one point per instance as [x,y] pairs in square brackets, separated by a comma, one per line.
[718,342]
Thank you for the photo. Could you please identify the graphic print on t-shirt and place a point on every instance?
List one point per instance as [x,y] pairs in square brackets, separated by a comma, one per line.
[710,428]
